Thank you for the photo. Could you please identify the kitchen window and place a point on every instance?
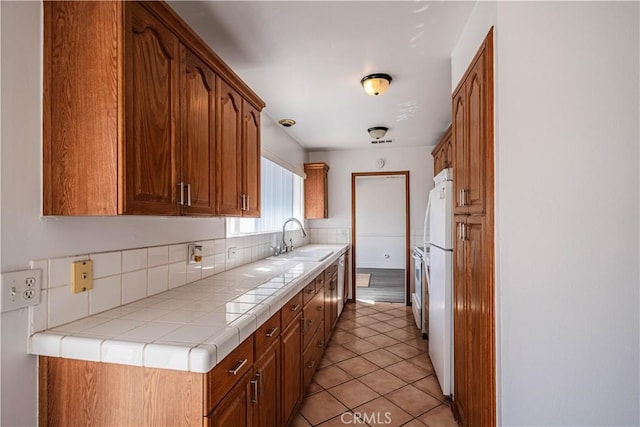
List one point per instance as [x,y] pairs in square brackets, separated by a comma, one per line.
[281,198]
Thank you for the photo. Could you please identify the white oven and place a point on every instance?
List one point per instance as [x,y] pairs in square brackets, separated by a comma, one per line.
[416,297]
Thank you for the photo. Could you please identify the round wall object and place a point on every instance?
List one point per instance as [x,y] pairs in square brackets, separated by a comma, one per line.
[380,163]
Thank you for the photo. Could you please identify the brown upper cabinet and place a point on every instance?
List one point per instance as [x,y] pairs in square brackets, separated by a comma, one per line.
[238,156]
[316,191]
[443,153]
[133,127]
[472,132]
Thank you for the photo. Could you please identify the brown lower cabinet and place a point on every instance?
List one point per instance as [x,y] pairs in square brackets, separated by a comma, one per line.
[261,383]
[235,408]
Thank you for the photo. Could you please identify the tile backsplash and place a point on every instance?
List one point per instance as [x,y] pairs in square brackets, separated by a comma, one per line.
[329,235]
[121,277]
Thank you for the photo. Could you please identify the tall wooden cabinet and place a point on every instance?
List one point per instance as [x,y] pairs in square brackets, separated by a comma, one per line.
[131,121]
[316,191]
[474,399]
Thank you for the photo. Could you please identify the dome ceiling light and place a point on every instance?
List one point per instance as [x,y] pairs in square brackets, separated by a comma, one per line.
[287,122]
[377,132]
[376,84]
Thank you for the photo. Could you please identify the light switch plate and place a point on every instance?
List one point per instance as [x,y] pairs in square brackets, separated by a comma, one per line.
[20,289]
[81,276]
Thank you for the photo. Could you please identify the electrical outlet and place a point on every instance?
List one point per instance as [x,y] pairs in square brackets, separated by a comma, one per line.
[20,289]
[195,253]
[231,253]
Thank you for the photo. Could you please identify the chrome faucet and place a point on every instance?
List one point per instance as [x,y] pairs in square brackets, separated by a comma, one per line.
[284,248]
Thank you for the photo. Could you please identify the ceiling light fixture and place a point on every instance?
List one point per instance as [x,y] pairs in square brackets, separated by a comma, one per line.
[287,122]
[377,132]
[376,84]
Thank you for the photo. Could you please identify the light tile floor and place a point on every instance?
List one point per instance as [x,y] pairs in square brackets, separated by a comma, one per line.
[375,367]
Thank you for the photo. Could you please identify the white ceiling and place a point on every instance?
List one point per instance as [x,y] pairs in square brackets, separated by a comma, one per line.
[305,59]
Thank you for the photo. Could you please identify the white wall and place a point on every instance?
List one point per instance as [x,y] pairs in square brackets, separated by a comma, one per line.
[567,209]
[417,160]
[279,147]
[380,222]
[25,235]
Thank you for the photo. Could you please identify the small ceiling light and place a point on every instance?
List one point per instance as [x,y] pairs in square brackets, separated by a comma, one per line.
[287,122]
[377,132]
[376,84]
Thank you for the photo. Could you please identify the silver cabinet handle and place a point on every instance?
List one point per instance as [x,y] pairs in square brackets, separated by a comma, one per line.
[464,231]
[239,366]
[188,194]
[320,308]
[246,197]
[295,307]
[320,344]
[310,322]
[260,388]
[271,332]
[254,391]
[181,190]
[458,232]
[311,364]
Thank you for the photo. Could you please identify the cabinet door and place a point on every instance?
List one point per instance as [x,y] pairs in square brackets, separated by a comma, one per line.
[473,323]
[251,160]
[476,147]
[267,375]
[234,409]
[229,149]
[460,173]
[291,370]
[151,110]
[316,191]
[197,136]
[473,136]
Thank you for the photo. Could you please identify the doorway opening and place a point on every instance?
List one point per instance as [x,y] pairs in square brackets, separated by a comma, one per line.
[380,235]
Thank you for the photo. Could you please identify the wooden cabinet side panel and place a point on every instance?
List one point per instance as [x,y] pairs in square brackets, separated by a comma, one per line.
[198,134]
[80,114]
[95,393]
[150,149]
[229,147]
[251,159]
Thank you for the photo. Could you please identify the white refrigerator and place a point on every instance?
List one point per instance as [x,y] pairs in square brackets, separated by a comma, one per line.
[441,279]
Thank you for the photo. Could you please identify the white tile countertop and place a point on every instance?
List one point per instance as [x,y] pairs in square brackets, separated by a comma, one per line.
[190,328]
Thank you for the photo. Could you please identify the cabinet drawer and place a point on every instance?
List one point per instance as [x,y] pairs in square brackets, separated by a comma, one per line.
[320,280]
[290,310]
[308,292]
[225,374]
[313,316]
[331,271]
[312,356]
[267,334]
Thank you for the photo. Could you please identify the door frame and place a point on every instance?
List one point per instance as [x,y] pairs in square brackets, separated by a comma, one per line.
[407,232]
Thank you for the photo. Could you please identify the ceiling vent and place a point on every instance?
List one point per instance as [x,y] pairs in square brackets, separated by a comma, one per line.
[381,141]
